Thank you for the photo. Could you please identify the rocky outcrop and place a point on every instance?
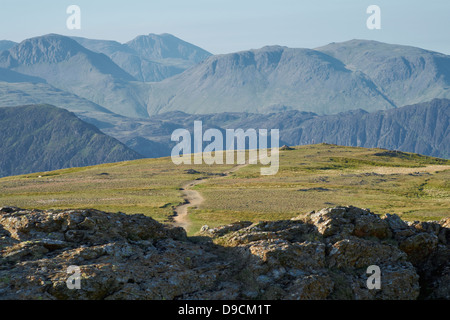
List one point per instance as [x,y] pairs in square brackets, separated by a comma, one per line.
[323,255]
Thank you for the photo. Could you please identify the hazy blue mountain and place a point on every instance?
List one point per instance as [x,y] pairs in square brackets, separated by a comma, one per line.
[336,78]
[18,93]
[67,65]
[356,74]
[149,137]
[43,138]
[151,57]
[54,49]
[149,148]
[7,75]
[421,128]
[405,74]
[141,68]
[258,80]
[6,44]
[107,47]
[166,46]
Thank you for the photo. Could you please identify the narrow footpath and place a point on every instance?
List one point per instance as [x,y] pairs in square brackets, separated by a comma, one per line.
[193,198]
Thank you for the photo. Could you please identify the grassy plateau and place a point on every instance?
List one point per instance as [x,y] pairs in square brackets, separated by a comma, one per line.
[310,178]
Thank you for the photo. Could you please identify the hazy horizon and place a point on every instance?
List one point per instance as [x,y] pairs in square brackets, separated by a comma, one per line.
[229,26]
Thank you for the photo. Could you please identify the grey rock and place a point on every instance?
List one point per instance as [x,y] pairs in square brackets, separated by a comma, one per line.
[323,256]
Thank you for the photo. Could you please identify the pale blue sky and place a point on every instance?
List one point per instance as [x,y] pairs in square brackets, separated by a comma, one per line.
[223,26]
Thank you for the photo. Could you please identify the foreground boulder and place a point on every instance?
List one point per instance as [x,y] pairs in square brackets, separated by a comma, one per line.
[323,255]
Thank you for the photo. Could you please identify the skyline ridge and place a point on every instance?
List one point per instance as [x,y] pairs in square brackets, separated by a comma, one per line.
[13,43]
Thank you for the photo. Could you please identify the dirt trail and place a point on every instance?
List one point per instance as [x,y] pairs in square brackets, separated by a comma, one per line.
[193,198]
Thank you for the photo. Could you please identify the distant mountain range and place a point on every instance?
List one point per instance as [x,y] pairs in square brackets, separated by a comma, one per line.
[43,138]
[421,128]
[262,81]
[149,57]
[104,72]
[339,77]
[68,66]
[26,93]
[348,93]
[405,74]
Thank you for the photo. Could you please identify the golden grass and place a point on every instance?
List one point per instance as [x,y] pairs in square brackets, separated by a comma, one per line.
[310,178]
[150,187]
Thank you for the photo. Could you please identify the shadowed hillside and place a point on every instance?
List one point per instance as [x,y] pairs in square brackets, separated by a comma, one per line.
[43,138]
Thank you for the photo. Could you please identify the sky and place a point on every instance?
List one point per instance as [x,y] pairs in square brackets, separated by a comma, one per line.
[224,26]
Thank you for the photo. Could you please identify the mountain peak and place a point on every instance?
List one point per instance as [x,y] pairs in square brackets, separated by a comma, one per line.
[50,48]
[162,35]
[6,44]
[166,46]
[272,48]
[363,45]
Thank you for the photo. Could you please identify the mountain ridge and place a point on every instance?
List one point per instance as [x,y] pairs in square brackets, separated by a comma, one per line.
[43,138]
[68,66]
[327,80]
[339,77]
[410,128]
[257,79]
[407,74]
[149,57]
